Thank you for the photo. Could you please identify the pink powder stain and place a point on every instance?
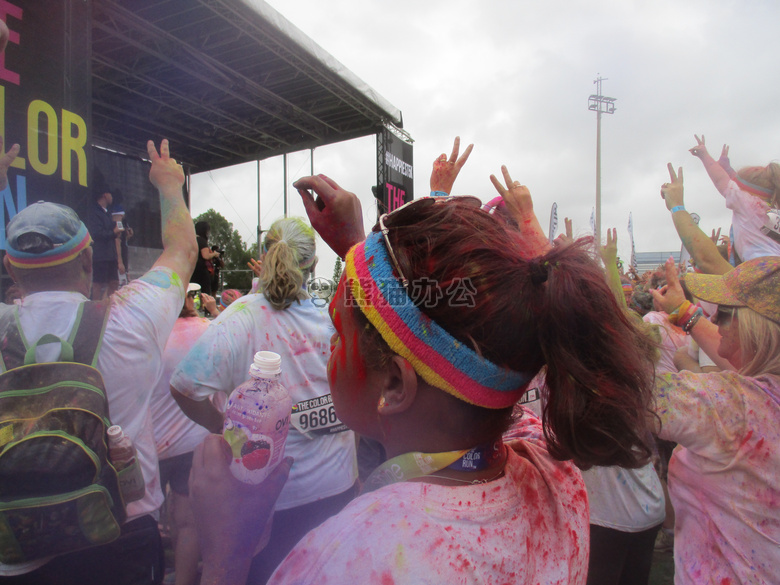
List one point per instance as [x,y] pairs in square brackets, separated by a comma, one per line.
[297,345]
[387,579]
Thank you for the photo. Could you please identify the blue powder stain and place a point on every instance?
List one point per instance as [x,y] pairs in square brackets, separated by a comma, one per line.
[157,278]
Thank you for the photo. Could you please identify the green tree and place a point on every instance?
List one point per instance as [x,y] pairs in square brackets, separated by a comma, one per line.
[235,273]
[336,272]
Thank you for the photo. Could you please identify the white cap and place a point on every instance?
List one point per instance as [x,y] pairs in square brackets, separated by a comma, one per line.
[266,363]
[114,431]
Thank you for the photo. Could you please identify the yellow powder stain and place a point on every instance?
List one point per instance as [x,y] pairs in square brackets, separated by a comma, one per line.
[400,557]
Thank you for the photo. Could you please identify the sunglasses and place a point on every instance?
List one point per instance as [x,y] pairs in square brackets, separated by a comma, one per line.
[405,215]
[723,315]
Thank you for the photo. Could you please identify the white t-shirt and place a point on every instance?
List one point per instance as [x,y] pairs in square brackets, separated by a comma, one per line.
[325,464]
[529,526]
[628,500]
[174,432]
[724,477]
[141,317]
[749,213]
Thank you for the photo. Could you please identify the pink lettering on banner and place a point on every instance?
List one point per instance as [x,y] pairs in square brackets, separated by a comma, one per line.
[395,197]
[8,9]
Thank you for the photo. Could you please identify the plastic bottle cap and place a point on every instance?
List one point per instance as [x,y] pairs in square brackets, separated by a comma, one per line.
[114,431]
[267,363]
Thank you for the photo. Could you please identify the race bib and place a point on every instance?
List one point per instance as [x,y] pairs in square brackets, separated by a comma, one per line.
[316,417]
[531,395]
[771,225]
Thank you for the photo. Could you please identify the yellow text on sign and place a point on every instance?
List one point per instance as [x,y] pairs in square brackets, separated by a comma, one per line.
[44,146]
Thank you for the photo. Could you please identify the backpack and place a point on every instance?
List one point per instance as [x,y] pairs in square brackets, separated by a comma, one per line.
[58,491]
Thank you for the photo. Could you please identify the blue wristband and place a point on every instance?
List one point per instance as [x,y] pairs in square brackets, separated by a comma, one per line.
[678,208]
[439,194]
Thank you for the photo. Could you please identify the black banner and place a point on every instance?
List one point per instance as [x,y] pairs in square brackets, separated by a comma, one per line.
[45,97]
[396,175]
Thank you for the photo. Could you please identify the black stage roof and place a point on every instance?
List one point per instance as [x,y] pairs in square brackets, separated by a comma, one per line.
[227,81]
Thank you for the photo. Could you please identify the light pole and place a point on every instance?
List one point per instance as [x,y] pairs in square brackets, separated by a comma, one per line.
[601,105]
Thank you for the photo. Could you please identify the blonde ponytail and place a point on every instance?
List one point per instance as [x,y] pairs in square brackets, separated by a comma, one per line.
[289,260]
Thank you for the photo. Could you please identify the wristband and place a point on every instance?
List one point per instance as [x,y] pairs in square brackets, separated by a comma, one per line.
[683,318]
[677,208]
[439,194]
[688,325]
[675,315]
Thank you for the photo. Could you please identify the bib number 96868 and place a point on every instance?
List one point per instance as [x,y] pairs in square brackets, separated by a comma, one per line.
[316,416]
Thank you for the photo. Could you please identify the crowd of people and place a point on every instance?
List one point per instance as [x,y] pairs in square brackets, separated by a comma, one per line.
[472,486]
[655,409]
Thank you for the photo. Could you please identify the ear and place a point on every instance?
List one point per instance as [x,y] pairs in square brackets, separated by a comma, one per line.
[86,260]
[9,268]
[399,388]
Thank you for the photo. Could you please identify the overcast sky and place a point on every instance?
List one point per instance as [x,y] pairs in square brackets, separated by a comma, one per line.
[514,77]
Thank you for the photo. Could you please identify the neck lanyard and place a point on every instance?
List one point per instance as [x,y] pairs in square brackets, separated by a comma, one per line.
[415,464]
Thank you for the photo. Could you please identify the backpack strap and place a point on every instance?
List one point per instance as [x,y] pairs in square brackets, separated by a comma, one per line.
[82,346]
[88,333]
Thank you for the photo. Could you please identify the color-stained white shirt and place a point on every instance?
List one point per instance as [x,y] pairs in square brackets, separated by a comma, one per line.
[325,463]
[749,214]
[174,432]
[529,526]
[628,500]
[672,339]
[724,478]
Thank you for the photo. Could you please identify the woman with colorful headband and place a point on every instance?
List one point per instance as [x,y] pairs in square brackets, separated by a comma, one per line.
[724,478]
[440,325]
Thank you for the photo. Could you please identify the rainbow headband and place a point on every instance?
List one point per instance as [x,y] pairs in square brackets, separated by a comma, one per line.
[59,254]
[753,189]
[437,356]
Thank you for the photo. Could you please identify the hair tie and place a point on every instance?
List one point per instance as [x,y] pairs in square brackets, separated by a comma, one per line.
[539,271]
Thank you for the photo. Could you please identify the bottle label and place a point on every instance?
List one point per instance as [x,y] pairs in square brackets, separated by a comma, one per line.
[131,482]
[254,454]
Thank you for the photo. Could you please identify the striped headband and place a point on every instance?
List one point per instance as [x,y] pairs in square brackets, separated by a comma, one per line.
[59,254]
[441,360]
[753,189]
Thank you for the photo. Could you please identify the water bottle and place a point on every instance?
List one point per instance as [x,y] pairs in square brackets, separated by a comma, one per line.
[124,458]
[257,418]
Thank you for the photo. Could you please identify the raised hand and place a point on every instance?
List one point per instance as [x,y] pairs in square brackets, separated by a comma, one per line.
[609,250]
[5,162]
[517,197]
[670,296]
[445,170]
[568,236]
[715,235]
[520,206]
[165,173]
[700,150]
[672,193]
[256,266]
[724,154]
[210,304]
[336,214]
[4,34]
